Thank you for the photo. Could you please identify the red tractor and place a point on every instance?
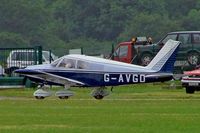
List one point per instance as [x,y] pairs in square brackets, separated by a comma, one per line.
[127,51]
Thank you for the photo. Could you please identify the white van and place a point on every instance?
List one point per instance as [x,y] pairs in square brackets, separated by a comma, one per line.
[23,58]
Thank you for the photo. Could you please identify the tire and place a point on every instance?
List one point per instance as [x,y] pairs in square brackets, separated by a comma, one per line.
[39,97]
[98,97]
[63,97]
[193,59]
[189,90]
[145,59]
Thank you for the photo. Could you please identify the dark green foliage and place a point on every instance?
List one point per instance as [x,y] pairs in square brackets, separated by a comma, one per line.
[93,25]
[9,39]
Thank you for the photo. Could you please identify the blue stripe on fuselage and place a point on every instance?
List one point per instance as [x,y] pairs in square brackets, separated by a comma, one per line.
[110,79]
[95,79]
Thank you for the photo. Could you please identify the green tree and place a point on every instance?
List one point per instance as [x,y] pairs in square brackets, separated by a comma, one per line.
[61,25]
[178,8]
[153,25]
[191,21]
[8,39]
[21,16]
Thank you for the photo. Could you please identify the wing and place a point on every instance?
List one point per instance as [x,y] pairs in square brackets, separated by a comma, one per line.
[56,79]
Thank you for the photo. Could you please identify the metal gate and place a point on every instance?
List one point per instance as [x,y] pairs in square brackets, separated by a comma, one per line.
[15,58]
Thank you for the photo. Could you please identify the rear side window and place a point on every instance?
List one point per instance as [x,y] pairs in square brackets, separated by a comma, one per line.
[196,38]
[184,38]
[89,65]
[82,65]
[171,36]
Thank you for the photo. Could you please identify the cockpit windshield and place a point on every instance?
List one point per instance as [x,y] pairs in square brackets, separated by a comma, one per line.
[56,62]
[64,63]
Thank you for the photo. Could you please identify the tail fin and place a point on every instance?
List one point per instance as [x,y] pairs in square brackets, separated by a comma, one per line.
[166,57]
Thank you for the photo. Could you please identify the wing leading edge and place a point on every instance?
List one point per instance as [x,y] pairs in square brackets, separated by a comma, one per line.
[45,76]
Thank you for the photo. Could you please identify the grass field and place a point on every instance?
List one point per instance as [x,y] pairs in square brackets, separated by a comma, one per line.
[129,109]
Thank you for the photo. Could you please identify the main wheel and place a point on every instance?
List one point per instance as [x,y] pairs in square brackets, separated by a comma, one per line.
[189,90]
[39,97]
[63,97]
[193,58]
[98,97]
[145,59]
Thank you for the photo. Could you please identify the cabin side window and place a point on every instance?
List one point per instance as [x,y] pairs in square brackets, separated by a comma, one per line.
[82,65]
[67,63]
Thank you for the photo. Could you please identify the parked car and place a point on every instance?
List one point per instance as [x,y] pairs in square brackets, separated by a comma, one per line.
[189,50]
[191,81]
[23,58]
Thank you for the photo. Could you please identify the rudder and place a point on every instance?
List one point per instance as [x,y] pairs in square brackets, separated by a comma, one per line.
[166,57]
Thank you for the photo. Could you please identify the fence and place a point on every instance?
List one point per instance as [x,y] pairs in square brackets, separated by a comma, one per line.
[15,58]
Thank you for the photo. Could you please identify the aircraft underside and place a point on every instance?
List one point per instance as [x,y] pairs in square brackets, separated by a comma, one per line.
[94,81]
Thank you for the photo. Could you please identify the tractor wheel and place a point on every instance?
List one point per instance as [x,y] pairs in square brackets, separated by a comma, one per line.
[145,59]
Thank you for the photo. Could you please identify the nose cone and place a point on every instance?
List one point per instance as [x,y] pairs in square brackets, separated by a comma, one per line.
[18,71]
[21,71]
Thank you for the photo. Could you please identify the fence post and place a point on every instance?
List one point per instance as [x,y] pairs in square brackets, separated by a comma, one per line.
[50,56]
[35,55]
[40,54]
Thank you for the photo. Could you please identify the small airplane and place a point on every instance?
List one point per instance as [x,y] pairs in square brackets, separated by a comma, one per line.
[86,71]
